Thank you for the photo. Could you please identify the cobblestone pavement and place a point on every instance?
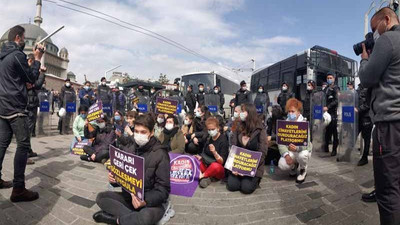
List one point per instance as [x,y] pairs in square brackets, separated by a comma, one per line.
[68,188]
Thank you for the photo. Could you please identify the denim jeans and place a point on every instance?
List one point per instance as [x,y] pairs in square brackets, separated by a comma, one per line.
[19,127]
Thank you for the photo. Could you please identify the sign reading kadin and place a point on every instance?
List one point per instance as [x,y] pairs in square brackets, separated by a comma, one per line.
[292,132]
[95,111]
[243,161]
[166,106]
[78,148]
[184,174]
[128,171]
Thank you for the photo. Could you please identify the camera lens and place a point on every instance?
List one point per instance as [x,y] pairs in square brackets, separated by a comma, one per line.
[358,48]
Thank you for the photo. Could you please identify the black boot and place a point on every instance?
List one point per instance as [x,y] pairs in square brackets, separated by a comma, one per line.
[370,197]
[363,161]
[103,217]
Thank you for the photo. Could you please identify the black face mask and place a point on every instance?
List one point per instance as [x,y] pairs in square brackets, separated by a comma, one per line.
[21,46]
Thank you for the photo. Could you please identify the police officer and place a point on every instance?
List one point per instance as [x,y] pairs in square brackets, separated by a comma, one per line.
[285,95]
[200,94]
[141,92]
[243,95]
[262,99]
[307,100]
[153,98]
[350,85]
[217,91]
[176,91]
[365,123]
[67,95]
[43,92]
[331,93]
[104,93]
[380,71]
[190,99]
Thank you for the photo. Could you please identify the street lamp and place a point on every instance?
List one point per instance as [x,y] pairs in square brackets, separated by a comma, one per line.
[105,73]
[371,7]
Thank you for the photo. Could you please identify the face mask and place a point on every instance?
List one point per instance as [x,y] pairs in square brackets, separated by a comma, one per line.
[329,81]
[216,91]
[152,91]
[86,88]
[141,139]
[292,116]
[260,90]
[284,88]
[160,120]
[198,114]
[84,116]
[244,88]
[187,122]
[235,115]
[21,46]
[103,83]
[201,89]
[169,126]
[67,85]
[117,118]
[213,133]
[243,116]
[101,125]
[309,88]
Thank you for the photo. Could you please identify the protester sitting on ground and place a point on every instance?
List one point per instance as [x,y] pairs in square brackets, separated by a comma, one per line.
[172,136]
[103,135]
[78,127]
[130,119]
[187,128]
[251,136]
[214,154]
[294,157]
[119,121]
[124,208]
[273,150]
[200,134]
[160,124]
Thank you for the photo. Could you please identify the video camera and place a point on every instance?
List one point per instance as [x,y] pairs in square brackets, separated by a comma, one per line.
[369,44]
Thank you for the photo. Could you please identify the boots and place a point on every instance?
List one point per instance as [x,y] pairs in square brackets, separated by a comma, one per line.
[23,195]
[103,217]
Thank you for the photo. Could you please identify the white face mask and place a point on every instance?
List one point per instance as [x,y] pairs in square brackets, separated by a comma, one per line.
[152,91]
[284,88]
[141,139]
[309,88]
[244,88]
[212,133]
[187,122]
[235,115]
[243,116]
[160,120]
[169,126]
[216,91]
[201,89]
[198,114]
[260,90]
[101,125]
[68,85]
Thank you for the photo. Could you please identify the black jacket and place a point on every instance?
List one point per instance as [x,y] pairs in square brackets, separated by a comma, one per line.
[364,100]
[157,169]
[33,100]
[283,97]
[221,99]
[307,105]
[67,94]
[190,100]
[332,100]
[200,97]
[242,97]
[262,99]
[14,74]
[104,94]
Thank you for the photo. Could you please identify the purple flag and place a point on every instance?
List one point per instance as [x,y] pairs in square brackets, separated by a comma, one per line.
[184,174]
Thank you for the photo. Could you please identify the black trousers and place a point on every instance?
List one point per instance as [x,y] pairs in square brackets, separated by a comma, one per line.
[121,206]
[366,133]
[246,185]
[100,155]
[386,152]
[19,127]
[32,118]
[332,130]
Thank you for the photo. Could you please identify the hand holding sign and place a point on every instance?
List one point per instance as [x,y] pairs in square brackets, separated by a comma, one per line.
[292,148]
[137,204]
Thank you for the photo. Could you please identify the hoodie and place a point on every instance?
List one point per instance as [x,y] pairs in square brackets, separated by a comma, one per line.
[14,74]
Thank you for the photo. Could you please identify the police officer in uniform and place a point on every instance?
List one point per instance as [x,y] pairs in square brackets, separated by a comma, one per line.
[243,95]
[200,94]
[331,93]
[190,99]
[104,93]
[365,123]
[307,100]
[285,95]
[217,91]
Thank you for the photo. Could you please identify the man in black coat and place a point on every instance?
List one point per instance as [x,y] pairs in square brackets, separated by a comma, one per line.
[364,121]
[332,102]
[14,74]
[200,94]
[308,99]
[190,99]
[104,93]
[284,96]
[243,95]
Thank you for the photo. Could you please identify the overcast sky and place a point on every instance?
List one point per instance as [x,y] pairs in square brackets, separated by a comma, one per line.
[230,32]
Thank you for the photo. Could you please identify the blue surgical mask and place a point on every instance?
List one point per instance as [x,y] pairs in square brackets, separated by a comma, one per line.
[292,116]
[84,116]
[329,81]
[86,88]
[117,118]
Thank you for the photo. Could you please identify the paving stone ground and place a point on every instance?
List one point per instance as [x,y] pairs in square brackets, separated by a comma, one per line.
[68,189]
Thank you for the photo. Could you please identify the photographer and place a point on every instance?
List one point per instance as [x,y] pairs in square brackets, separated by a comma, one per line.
[380,71]
[14,74]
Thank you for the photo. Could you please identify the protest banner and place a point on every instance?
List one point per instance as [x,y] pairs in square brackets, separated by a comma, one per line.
[243,161]
[166,106]
[292,132]
[95,111]
[128,171]
[78,148]
[184,174]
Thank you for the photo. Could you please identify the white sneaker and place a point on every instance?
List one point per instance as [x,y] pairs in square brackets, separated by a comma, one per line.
[302,176]
[293,171]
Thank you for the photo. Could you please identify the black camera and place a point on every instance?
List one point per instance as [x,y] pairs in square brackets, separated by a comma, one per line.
[369,44]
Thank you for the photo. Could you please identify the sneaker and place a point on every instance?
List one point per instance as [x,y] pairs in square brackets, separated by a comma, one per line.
[363,161]
[302,176]
[205,182]
[23,195]
[32,154]
[293,171]
[30,162]
[5,184]
[369,197]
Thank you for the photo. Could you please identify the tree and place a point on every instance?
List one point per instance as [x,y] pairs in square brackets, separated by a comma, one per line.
[163,79]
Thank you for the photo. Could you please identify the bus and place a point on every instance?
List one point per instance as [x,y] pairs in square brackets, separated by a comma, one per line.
[297,70]
[211,79]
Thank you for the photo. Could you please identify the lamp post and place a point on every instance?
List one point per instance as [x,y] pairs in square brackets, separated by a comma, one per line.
[105,73]
[371,7]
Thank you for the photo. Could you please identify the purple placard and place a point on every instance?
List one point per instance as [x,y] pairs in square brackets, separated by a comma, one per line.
[78,147]
[95,111]
[166,106]
[128,171]
[184,174]
[292,132]
[243,161]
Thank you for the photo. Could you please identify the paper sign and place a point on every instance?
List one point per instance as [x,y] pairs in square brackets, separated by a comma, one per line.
[128,171]
[166,106]
[78,148]
[184,174]
[292,132]
[243,161]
